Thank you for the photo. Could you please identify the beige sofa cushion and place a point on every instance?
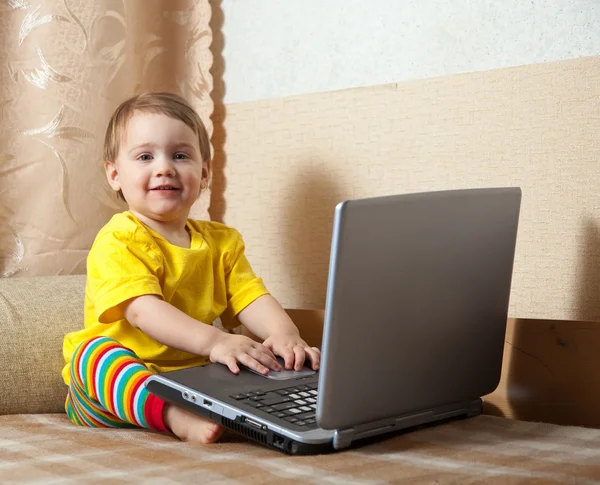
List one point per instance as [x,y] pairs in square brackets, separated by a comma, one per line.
[35,314]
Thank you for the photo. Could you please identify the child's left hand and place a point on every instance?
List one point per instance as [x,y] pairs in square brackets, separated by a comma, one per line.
[293,350]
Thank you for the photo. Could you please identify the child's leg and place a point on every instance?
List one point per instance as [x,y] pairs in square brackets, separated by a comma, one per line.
[107,390]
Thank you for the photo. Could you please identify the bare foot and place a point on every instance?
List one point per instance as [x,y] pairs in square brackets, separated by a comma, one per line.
[189,427]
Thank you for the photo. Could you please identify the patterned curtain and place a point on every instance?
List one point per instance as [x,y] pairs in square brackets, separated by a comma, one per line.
[65,66]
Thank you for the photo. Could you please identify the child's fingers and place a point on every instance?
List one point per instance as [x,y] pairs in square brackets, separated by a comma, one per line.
[265,356]
[288,357]
[300,357]
[267,359]
[252,363]
[267,349]
[231,362]
[314,355]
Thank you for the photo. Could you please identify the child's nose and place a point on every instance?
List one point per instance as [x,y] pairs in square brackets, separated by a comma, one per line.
[164,167]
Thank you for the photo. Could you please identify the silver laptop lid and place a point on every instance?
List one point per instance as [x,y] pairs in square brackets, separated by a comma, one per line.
[417,302]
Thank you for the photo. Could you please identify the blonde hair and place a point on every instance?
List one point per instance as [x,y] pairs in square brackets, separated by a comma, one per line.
[165,103]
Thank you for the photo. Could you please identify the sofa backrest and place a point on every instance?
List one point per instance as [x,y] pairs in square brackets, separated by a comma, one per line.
[35,314]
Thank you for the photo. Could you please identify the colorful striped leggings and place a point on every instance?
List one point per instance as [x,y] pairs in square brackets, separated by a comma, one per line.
[107,388]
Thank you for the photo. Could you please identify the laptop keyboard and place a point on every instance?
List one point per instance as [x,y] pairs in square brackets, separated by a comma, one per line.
[295,404]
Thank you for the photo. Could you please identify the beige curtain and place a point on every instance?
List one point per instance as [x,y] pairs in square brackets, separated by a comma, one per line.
[65,65]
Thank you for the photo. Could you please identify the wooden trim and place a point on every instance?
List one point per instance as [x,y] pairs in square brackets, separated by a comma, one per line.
[551,373]
[551,369]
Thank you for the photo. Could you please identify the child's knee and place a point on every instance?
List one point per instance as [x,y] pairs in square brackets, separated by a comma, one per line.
[86,353]
[101,339]
[94,342]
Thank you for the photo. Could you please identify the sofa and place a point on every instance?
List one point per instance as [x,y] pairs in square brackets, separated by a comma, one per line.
[38,444]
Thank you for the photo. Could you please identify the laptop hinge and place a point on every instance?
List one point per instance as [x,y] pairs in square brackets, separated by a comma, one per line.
[343,438]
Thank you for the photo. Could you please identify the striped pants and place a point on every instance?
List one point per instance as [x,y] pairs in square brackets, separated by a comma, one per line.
[107,388]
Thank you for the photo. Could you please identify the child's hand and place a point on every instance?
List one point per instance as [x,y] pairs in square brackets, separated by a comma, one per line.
[230,349]
[294,351]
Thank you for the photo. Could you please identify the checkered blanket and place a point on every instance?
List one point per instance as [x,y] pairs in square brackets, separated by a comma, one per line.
[47,449]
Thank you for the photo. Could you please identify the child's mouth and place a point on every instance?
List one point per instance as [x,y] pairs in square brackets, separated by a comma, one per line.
[165,187]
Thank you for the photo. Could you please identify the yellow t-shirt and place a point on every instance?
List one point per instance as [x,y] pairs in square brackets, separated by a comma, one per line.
[212,278]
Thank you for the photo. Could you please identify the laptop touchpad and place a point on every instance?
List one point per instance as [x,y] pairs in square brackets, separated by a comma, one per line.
[284,374]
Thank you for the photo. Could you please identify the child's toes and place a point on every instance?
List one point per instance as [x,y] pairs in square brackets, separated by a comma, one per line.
[211,433]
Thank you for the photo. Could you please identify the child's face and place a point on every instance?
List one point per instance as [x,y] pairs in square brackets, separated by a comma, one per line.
[159,168]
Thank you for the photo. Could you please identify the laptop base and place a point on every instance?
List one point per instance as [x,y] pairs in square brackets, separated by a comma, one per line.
[241,425]
[342,439]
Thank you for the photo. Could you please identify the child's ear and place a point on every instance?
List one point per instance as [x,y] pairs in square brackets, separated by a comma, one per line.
[112,175]
[206,168]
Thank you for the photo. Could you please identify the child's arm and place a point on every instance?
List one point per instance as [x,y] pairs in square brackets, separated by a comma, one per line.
[269,321]
[170,326]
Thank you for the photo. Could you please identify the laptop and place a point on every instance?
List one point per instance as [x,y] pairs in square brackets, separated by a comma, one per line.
[415,320]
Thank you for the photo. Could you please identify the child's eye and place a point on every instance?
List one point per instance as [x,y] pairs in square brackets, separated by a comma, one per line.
[180,156]
[144,158]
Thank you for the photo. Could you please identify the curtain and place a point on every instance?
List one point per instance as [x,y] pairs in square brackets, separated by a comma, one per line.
[65,66]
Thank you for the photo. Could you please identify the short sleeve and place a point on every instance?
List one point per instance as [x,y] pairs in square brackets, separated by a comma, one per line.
[121,266]
[243,286]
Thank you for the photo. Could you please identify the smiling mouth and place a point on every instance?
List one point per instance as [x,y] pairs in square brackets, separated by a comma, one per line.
[164,187]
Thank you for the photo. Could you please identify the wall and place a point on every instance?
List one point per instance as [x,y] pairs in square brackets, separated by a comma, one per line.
[279,48]
[534,125]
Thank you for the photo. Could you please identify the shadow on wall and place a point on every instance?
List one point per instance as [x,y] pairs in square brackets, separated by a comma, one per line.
[217,197]
[307,220]
[588,293]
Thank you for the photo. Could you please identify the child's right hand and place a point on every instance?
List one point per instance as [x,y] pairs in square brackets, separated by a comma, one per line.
[229,349]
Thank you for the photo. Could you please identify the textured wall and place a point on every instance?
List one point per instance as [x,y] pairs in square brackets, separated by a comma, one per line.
[534,126]
[277,48]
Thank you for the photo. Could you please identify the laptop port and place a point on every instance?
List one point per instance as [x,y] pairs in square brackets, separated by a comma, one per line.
[186,395]
[278,441]
[251,422]
[207,403]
